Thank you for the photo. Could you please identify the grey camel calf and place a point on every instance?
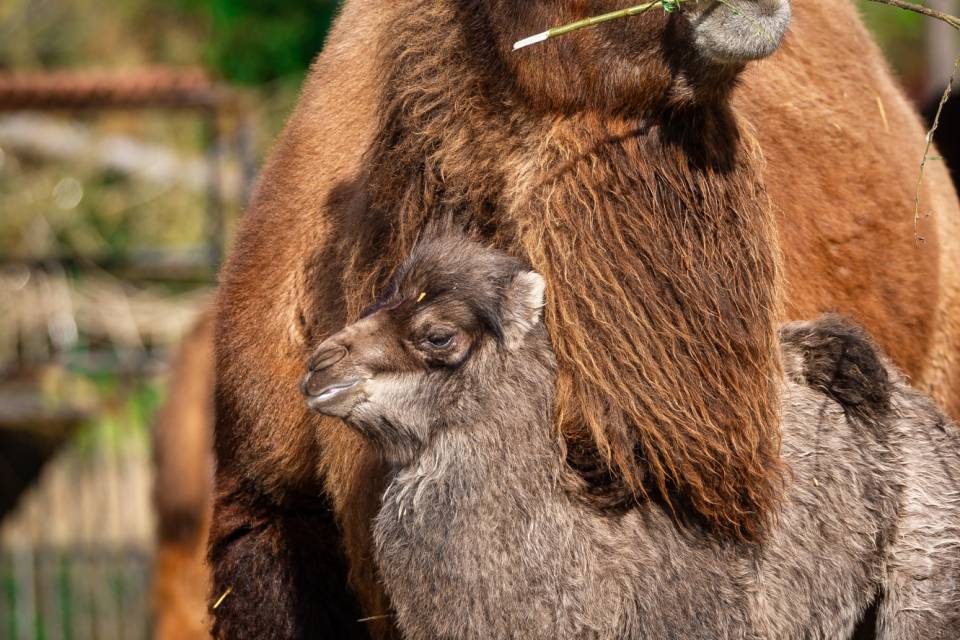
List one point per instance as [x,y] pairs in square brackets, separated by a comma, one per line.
[484,532]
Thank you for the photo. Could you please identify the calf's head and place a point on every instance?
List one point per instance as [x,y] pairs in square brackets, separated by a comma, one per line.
[456,324]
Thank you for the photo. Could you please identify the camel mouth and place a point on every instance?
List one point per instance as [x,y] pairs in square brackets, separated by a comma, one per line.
[738,31]
[328,395]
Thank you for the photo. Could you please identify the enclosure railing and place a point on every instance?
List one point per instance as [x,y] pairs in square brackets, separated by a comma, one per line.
[76,553]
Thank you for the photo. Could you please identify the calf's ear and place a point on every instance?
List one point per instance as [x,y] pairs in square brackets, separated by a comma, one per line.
[522,306]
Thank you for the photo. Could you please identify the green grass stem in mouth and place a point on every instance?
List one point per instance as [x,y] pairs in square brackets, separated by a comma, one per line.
[667,5]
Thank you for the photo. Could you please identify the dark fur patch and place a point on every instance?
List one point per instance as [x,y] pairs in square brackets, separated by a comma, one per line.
[280,583]
[841,360]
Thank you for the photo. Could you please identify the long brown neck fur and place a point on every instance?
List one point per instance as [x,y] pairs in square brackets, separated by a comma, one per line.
[654,234]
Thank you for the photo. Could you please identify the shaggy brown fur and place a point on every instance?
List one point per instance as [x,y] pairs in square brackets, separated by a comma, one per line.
[647,201]
[718,443]
[182,490]
[700,293]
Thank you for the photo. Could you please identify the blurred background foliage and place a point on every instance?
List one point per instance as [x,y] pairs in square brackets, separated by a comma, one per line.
[248,41]
[252,42]
[901,35]
[263,45]
[259,41]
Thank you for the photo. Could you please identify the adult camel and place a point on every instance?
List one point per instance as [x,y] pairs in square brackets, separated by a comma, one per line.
[678,201]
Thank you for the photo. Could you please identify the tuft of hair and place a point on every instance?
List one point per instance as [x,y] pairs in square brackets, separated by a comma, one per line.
[446,262]
[838,358]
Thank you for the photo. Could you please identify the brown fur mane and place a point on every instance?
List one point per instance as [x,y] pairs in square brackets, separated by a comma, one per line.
[655,238]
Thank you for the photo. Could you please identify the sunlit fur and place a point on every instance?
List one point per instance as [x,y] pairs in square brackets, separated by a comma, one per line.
[482,532]
[524,130]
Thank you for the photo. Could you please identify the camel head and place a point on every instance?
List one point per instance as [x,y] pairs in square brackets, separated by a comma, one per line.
[428,353]
[691,55]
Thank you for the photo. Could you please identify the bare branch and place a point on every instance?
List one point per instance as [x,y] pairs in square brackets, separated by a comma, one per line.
[926,148]
[953,21]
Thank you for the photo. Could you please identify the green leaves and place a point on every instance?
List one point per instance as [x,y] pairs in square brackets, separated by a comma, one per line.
[257,41]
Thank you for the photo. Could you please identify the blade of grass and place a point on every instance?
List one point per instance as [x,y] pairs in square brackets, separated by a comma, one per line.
[592,21]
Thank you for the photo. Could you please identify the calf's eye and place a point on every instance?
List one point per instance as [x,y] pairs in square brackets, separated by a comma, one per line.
[439,341]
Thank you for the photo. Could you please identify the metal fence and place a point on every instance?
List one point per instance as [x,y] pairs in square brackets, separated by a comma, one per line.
[77,551]
[75,556]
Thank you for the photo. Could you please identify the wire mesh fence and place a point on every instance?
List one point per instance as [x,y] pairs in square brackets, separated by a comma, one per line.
[112,226]
[75,555]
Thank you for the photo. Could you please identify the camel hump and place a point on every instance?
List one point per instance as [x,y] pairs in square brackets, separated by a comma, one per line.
[838,358]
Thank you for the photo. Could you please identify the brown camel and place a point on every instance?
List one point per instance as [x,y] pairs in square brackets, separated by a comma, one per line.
[679,203]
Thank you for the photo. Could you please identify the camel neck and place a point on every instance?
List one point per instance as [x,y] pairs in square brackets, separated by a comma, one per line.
[506,456]
[464,520]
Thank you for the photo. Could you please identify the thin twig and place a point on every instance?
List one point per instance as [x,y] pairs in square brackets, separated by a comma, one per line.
[883,112]
[953,21]
[222,598]
[929,143]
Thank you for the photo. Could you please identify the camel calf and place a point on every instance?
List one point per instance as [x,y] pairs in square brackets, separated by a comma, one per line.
[483,531]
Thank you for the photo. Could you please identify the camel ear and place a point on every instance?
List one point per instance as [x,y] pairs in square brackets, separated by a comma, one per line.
[522,306]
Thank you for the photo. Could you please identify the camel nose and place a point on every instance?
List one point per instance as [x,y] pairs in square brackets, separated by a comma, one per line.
[327,357]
